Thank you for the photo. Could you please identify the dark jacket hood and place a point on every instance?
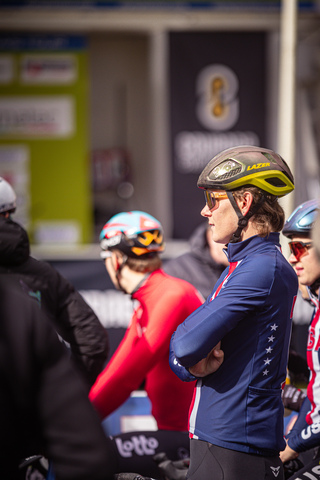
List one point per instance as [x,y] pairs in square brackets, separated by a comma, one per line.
[14,243]
[199,244]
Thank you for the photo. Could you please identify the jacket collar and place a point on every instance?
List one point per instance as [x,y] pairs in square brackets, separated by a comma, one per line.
[237,251]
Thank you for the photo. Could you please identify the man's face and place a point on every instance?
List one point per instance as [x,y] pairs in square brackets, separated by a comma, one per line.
[222,219]
[111,264]
[307,267]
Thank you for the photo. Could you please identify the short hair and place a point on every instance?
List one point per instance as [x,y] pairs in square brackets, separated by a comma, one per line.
[142,265]
[270,216]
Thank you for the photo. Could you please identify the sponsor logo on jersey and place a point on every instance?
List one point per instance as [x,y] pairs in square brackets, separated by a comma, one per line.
[312,345]
[313,429]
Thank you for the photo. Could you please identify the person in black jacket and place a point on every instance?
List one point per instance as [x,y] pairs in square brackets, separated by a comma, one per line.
[44,406]
[73,319]
[203,264]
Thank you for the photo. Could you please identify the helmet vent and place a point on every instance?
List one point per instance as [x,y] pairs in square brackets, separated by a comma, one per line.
[275,182]
[269,157]
[230,174]
[227,169]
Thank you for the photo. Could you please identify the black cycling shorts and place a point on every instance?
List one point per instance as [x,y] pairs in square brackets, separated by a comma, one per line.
[209,462]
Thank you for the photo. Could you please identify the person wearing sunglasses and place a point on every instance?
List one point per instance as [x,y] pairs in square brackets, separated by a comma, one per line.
[305,434]
[316,235]
[236,416]
[298,228]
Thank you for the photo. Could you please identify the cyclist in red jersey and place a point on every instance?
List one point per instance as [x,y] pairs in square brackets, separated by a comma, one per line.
[131,243]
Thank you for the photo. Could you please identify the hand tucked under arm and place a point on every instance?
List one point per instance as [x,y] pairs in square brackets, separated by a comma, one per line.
[288,454]
[210,364]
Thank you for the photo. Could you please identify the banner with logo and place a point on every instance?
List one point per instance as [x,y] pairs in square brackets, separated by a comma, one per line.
[44,134]
[217,101]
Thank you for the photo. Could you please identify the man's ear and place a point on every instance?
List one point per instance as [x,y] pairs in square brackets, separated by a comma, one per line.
[116,260]
[245,203]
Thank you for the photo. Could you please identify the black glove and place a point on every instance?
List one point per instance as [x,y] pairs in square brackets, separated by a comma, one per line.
[291,467]
[292,397]
[34,467]
[172,469]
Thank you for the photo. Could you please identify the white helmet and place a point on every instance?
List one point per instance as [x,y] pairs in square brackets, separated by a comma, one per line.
[7,197]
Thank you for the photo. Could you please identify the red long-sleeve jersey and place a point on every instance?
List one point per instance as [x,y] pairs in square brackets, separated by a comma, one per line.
[164,303]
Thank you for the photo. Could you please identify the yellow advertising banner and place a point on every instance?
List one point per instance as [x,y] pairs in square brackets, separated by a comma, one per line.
[44,135]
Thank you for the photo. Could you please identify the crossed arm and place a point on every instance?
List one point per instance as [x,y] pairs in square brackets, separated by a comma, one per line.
[210,364]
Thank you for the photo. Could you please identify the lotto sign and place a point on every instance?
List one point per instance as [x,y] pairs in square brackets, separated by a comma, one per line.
[217,101]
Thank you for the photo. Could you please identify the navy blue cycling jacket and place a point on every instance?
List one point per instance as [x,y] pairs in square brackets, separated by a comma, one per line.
[250,309]
[305,433]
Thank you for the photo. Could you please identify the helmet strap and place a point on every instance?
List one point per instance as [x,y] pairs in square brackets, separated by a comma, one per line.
[243,219]
[315,286]
[118,271]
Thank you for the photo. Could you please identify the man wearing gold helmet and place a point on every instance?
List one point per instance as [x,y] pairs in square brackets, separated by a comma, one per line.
[236,344]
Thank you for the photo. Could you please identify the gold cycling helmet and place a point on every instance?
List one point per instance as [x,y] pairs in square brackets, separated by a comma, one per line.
[246,166]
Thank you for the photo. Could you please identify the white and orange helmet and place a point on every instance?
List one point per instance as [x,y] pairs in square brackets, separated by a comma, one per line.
[137,234]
